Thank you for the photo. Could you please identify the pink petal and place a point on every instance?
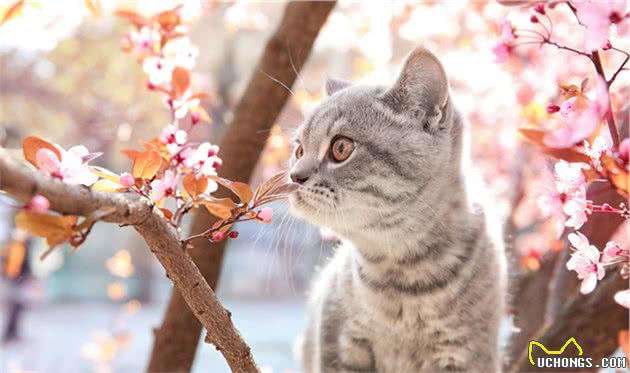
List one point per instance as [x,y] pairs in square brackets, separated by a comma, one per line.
[127,180]
[588,284]
[47,161]
[623,298]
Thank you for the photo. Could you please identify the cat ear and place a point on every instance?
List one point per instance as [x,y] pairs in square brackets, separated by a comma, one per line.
[335,85]
[421,87]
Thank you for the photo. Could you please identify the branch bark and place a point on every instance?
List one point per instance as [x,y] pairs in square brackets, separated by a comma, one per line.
[266,94]
[22,184]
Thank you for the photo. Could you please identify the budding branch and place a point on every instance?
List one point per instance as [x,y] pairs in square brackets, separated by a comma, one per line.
[22,183]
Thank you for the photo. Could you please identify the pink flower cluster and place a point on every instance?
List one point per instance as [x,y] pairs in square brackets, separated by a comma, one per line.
[568,199]
[581,117]
[589,263]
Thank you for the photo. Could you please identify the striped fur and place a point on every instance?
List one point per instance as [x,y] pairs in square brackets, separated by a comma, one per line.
[418,283]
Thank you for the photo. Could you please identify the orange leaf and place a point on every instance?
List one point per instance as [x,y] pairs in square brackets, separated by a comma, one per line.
[15,253]
[146,165]
[568,154]
[195,186]
[131,153]
[168,19]
[221,208]
[30,146]
[181,81]
[268,185]
[94,7]
[133,17]
[56,229]
[624,343]
[12,11]
[617,175]
[242,190]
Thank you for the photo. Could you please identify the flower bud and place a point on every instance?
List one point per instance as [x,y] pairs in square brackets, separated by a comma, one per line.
[38,204]
[127,180]
[553,109]
[233,234]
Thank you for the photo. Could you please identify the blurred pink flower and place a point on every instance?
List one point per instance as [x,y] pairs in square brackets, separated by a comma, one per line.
[597,16]
[623,298]
[158,70]
[501,51]
[265,214]
[568,176]
[624,150]
[38,204]
[143,41]
[507,31]
[580,122]
[72,168]
[585,262]
[600,145]
[164,187]
[183,104]
[576,208]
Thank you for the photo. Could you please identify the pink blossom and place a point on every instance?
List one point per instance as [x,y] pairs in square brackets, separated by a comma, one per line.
[143,41]
[159,70]
[577,209]
[184,104]
[181,52]
[600,145]
[507,31]
[623,298]
[204,159]
[127,180]
[568,176]
[38,204]
[164,187]
[612,251]
[585,262]
[501,51]
[265,214]
[597,16]
[72,168]
[580,122]
[174,138]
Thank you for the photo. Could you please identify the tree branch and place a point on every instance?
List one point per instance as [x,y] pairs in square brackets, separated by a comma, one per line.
[22,184]
[266,94]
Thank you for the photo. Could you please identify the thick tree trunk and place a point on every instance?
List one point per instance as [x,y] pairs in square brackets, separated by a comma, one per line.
[593,320]
[284,55]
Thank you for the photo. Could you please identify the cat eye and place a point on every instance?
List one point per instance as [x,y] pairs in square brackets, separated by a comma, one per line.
[341,148]
[299,151]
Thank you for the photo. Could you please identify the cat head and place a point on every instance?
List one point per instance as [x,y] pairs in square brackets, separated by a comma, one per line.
[366,151]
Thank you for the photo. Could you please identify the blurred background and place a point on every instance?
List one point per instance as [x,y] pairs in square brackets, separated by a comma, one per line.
[65,78]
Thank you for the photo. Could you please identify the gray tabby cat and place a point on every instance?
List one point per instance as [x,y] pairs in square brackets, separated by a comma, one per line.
[418,284]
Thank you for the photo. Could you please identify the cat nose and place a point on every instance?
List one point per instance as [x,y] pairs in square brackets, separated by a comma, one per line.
[299,178]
